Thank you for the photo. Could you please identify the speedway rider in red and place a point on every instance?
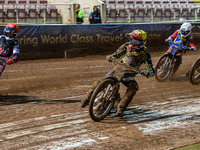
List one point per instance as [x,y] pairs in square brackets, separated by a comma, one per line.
[183,37]
[133,53]
[9,48]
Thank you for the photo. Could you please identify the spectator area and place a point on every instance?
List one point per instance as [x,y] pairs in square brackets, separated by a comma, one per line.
[150,10]
[28,11]
[115,11]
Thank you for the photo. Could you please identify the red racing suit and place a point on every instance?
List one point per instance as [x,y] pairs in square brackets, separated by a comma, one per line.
[9,51]
[185,41]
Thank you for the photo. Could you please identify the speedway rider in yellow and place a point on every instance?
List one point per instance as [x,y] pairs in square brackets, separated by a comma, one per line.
[133,53]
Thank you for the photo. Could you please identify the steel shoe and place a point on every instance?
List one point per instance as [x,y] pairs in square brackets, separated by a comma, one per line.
[84,103]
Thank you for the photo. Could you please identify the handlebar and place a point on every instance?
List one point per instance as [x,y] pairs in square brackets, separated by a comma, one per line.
[143,73]
[2,61]
[128,69]
[177,45]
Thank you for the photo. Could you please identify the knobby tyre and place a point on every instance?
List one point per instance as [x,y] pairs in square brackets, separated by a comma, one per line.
[163,67]
[102,99]
[194,74]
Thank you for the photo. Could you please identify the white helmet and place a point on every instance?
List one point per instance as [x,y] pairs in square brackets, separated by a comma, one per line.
[186,29]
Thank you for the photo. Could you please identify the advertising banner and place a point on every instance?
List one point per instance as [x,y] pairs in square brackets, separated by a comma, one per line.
[50,41]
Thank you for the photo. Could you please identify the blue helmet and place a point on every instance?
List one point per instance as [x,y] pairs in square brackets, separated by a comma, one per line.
[11,31]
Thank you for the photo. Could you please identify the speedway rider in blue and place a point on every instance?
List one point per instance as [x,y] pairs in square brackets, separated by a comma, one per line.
[9,48]
[183,37]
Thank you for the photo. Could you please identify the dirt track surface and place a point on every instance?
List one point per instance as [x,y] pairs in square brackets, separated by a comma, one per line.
[40,108]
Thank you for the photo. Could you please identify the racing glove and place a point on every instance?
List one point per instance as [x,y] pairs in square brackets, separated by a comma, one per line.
[150,73]
[109,58]
[191,49]
[167,40]
[8,62]
[2,60]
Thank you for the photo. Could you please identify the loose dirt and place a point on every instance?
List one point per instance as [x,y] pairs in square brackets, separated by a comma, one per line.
[40,108]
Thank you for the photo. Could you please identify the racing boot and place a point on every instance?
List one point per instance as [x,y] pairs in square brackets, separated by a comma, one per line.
[176,66]
[171,77]
[125,102]
[86,101]
[117,100]
[188,73]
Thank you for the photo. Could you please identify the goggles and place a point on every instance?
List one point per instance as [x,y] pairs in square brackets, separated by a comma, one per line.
[185,32]
[10,35]
[133,41]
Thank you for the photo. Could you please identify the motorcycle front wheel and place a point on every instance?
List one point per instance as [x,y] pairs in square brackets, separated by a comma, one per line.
[163,67]
[102,99]
[194,75]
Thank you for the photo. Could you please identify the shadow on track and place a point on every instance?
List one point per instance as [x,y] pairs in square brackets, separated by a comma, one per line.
[16,99]
[182,78]
[134,116]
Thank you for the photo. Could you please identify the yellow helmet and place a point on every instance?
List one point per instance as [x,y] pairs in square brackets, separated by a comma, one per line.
[138,35]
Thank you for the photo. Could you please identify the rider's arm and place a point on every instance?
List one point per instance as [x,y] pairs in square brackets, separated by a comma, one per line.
[173,36]
[148,62]
[121,51]
[191,43]
[15,57]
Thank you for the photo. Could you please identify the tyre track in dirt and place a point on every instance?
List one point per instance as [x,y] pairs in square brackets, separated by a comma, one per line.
[41,130]
[157,109]
[69,130]
[154,117]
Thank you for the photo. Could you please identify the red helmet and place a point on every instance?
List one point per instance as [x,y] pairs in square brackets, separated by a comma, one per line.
[137,38]
[11,31]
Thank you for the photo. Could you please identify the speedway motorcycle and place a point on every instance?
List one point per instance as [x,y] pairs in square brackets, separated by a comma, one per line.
[105,94]
[165,64]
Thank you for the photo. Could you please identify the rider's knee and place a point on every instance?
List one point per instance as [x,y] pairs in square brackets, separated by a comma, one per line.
[110,74]
[96,83]
[133,87]
[178,60]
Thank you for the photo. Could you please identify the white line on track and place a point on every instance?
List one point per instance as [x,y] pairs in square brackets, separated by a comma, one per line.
[149,117]
[59,118]
[34,130]
[155,117]
[65,143]
[67,68]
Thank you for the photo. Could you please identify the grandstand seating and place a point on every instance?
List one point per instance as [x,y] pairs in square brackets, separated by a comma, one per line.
[52,11]
[2,9]
[27,9]
[142,10]
[10,9]
[21,9]
[1,13]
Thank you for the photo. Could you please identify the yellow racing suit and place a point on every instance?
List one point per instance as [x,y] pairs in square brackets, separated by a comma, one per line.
[134,58]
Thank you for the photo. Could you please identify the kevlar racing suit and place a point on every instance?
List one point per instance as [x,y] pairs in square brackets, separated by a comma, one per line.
[185,41]
[134,58]
[9,51]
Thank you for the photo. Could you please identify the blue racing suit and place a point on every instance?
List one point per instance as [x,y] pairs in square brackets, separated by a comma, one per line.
[9,51]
